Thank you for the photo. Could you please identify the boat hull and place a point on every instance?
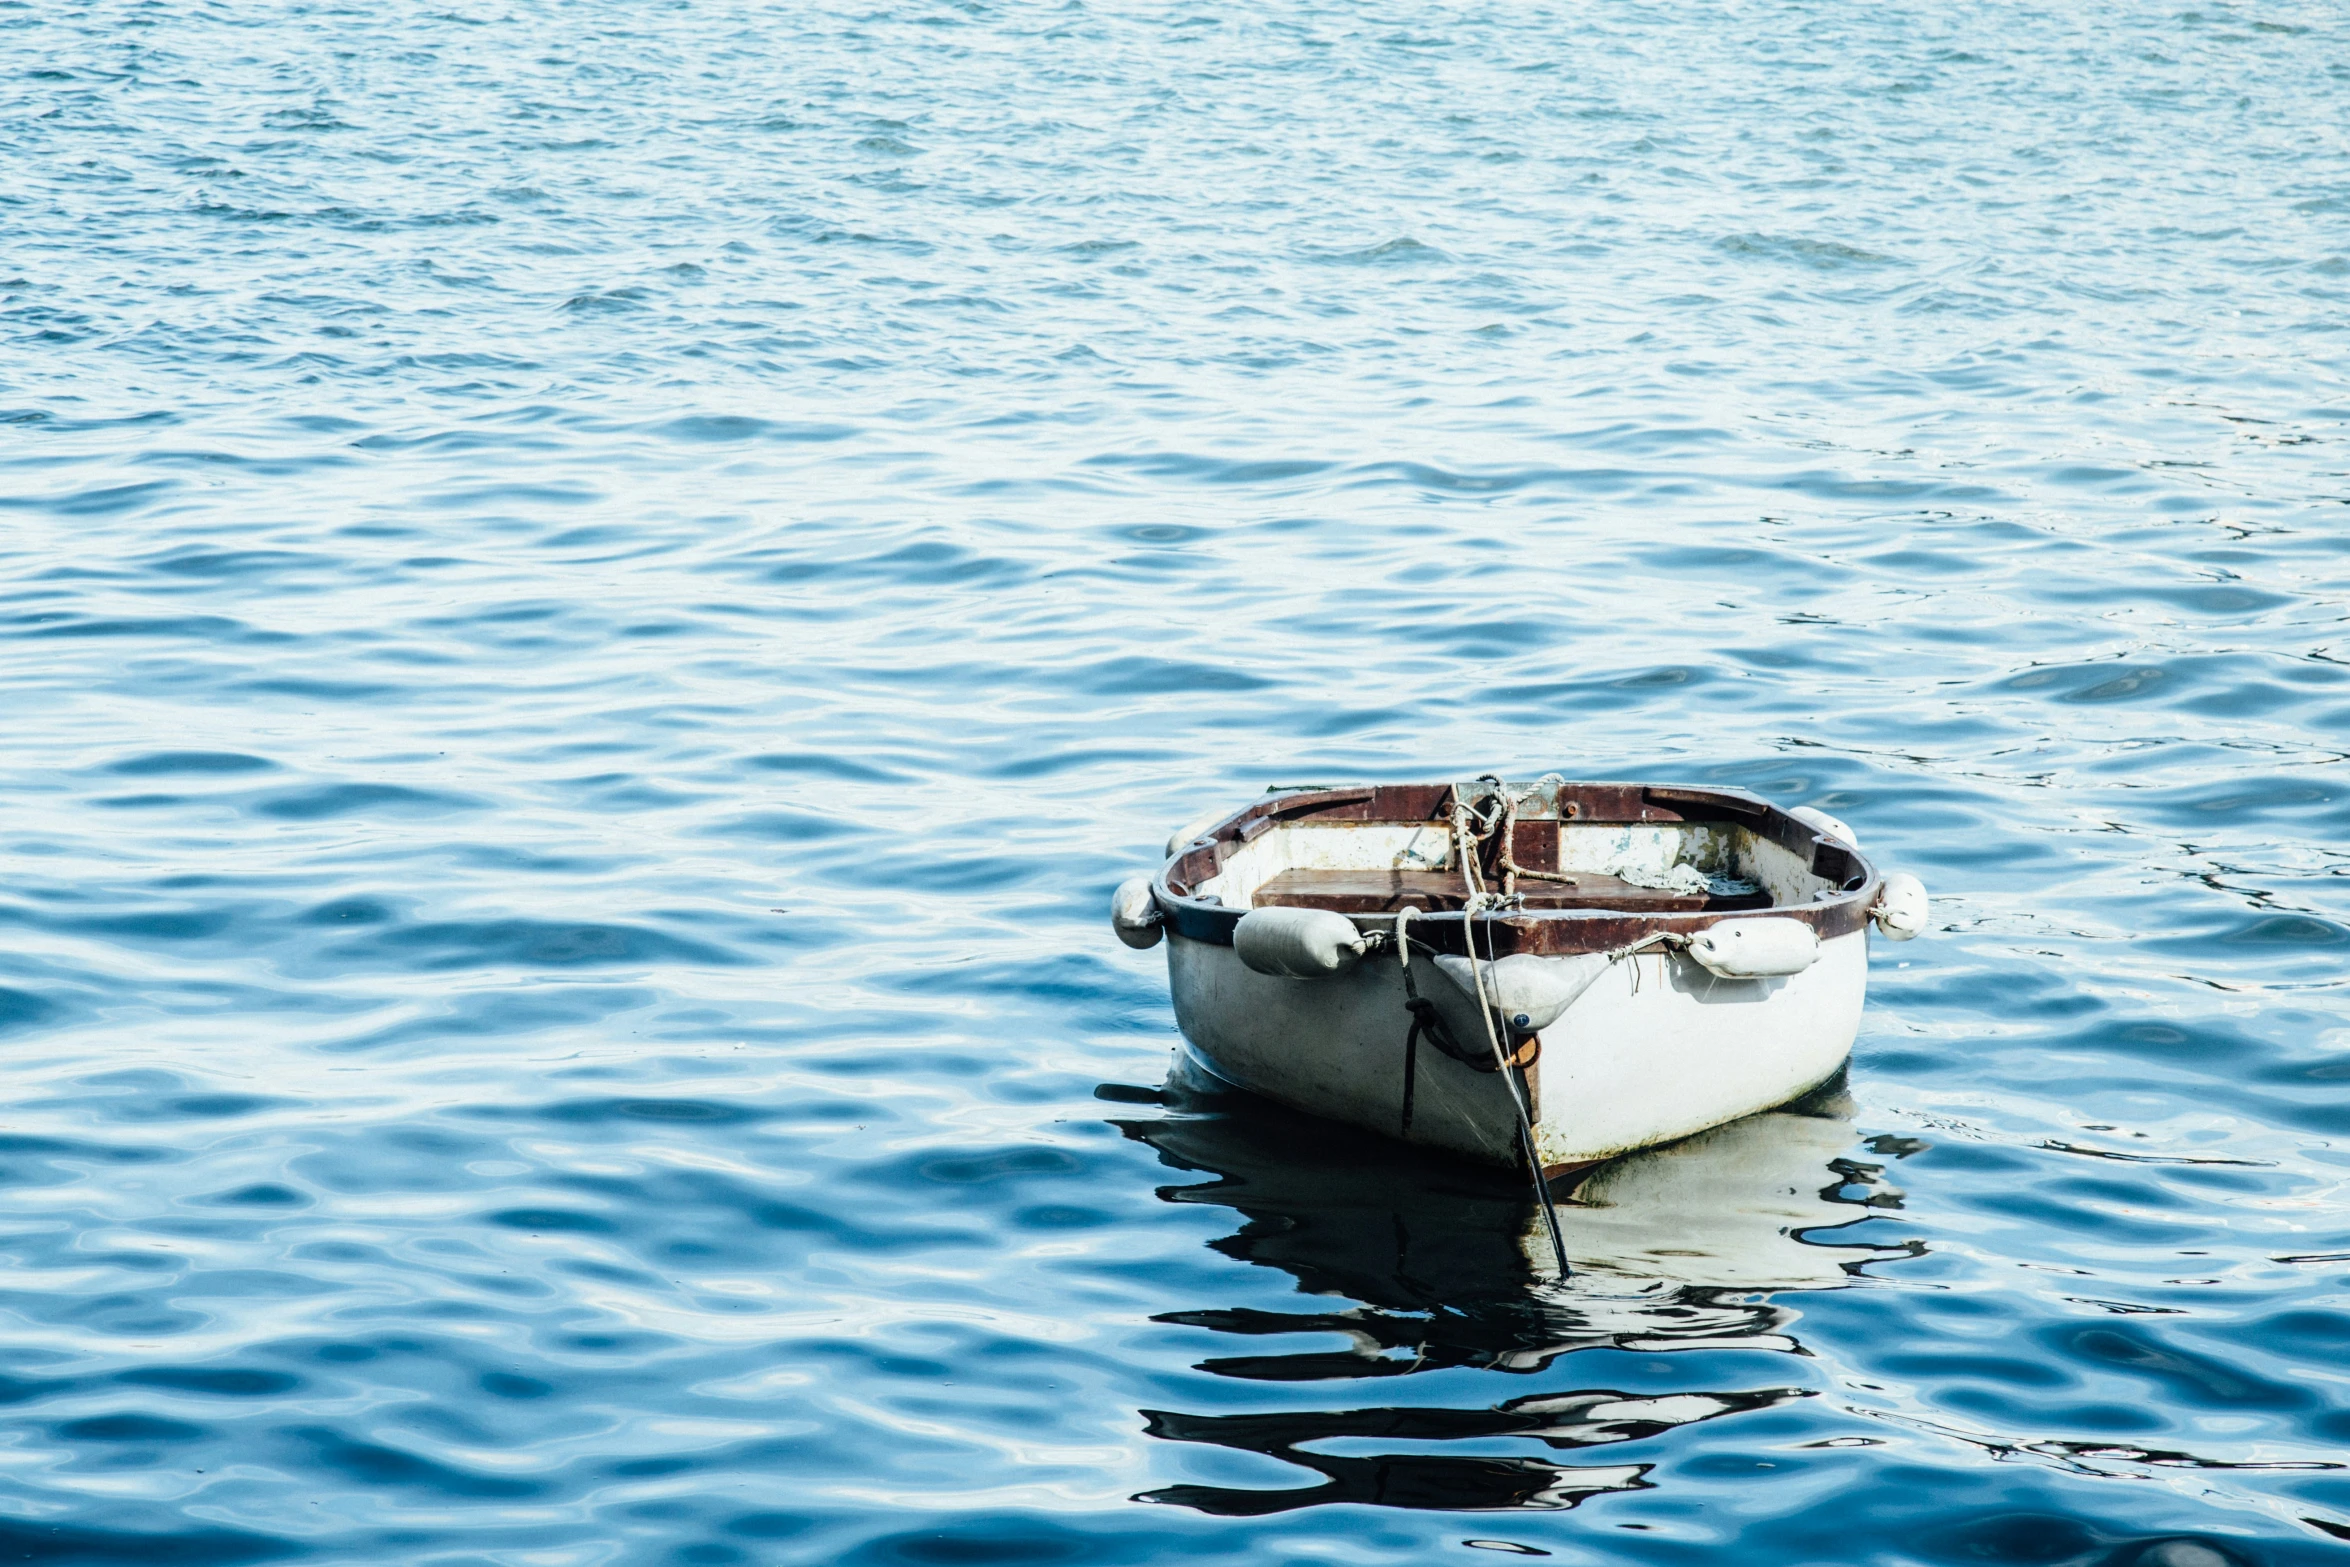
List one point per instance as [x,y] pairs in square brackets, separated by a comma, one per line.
[1657,1049]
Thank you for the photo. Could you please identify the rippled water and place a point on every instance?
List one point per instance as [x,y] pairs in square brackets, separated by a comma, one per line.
[594,597]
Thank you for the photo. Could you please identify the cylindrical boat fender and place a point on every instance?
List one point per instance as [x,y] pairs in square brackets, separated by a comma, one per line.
[1755,949]
[1901,909]
[1529,992]
[1134,914]
[1820,821]
[1297,943]
[1184,837]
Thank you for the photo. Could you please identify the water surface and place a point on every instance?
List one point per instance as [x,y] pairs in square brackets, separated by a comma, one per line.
[593,598]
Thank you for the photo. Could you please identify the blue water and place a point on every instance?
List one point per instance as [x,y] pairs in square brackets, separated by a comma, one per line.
[594,596]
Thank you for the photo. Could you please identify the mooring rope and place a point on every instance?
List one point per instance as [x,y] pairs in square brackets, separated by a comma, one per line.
[1479,902]
[1424,1019]
[1506,847]
[1470,829]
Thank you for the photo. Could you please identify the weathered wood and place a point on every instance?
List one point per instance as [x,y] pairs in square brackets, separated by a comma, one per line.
[1383,892]
[1543,927]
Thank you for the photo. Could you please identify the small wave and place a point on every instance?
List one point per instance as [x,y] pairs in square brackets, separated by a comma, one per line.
[154,764]
[445,945]
[1821,255]
[1403,250]
[327,802]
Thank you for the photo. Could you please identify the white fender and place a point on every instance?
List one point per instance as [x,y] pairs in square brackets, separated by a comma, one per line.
[1297,943]
[1820,821]
[1184,837]
[1134,913]
[1901,909]
[1527,990]
[1755,949]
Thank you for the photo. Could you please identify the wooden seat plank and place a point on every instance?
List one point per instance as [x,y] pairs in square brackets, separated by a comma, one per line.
[1383,892]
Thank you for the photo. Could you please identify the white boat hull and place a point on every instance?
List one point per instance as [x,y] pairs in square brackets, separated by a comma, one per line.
[1657,1049]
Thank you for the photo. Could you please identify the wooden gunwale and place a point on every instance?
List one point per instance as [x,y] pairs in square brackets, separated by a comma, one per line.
[1543,931]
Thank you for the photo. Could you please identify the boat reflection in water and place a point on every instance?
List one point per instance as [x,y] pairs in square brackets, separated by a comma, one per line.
[1444,1264]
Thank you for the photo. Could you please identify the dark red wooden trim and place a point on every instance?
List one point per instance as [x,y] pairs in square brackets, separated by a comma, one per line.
[1560,931]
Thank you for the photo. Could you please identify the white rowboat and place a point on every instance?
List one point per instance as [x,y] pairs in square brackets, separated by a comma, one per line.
[1607,966]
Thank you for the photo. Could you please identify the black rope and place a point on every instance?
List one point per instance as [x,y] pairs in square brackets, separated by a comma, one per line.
[1550,1212]
[1515,1079]
[1428,1021]
[1425,1020]
[1411,1077]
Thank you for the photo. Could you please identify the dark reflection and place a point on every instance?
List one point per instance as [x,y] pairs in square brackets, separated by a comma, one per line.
[1433,1264]
[1565,1420]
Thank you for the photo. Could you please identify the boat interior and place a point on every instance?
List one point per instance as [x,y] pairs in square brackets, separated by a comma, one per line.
[1618,848]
